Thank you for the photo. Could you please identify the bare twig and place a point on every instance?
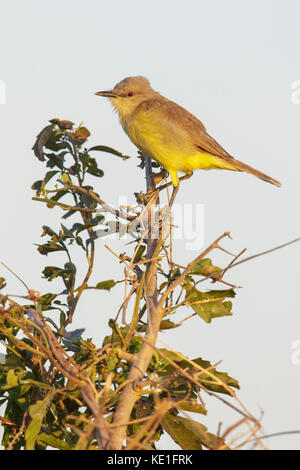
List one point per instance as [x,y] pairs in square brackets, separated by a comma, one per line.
[188,269]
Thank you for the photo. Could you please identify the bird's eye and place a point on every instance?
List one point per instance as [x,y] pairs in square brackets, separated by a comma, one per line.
[130,93]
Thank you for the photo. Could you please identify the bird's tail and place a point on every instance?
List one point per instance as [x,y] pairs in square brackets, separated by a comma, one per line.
[248,169]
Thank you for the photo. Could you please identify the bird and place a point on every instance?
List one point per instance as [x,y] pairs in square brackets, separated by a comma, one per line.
[168,133]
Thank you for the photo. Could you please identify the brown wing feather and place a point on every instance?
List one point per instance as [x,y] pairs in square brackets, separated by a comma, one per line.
[208,144]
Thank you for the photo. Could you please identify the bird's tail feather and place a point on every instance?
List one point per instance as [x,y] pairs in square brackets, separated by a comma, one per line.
[248,169]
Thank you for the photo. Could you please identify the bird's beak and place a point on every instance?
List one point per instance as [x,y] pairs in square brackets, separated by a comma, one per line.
[107,94]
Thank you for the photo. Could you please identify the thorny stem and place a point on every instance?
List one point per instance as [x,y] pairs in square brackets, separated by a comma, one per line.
[141,360]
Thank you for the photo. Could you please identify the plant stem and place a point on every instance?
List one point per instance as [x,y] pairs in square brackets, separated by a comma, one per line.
[142,359]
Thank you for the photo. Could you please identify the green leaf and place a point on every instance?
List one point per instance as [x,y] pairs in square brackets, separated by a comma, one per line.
[49,247]
[59,195]
[193,407]
[92,170]
[41,141]
[210,380]
[46,299]
[79,242]
[51,272]
[106,285]
[68,214]
[37,185]
[57,141]
[104,148]
[140,253]
[103,285]
[37,412]
[188,434]
[113,360]
[67,232]
[90,165]
[167,324]
[204,267]
[205,306]
[55,160]
[184,437]
[12,379]
[67,274]
[53,441]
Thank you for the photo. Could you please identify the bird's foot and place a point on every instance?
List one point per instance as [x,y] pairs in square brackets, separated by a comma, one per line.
[186,176]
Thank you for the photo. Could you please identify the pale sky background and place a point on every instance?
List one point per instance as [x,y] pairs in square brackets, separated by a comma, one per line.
[230,63]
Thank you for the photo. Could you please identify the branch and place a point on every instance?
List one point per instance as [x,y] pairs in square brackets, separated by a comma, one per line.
[142,359]
[262,253]
[89,192]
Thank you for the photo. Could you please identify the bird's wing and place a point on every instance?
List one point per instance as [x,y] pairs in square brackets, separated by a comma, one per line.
[208,144]
[176,116]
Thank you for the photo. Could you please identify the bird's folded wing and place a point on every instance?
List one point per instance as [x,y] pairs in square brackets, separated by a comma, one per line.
[169,114]
[208,144]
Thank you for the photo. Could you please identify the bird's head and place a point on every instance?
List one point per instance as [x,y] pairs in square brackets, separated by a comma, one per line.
[128,94]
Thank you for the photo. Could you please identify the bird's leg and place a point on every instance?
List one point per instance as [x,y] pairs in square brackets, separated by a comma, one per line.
[185,177]
[176,188]
[174,193]
[146,197]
